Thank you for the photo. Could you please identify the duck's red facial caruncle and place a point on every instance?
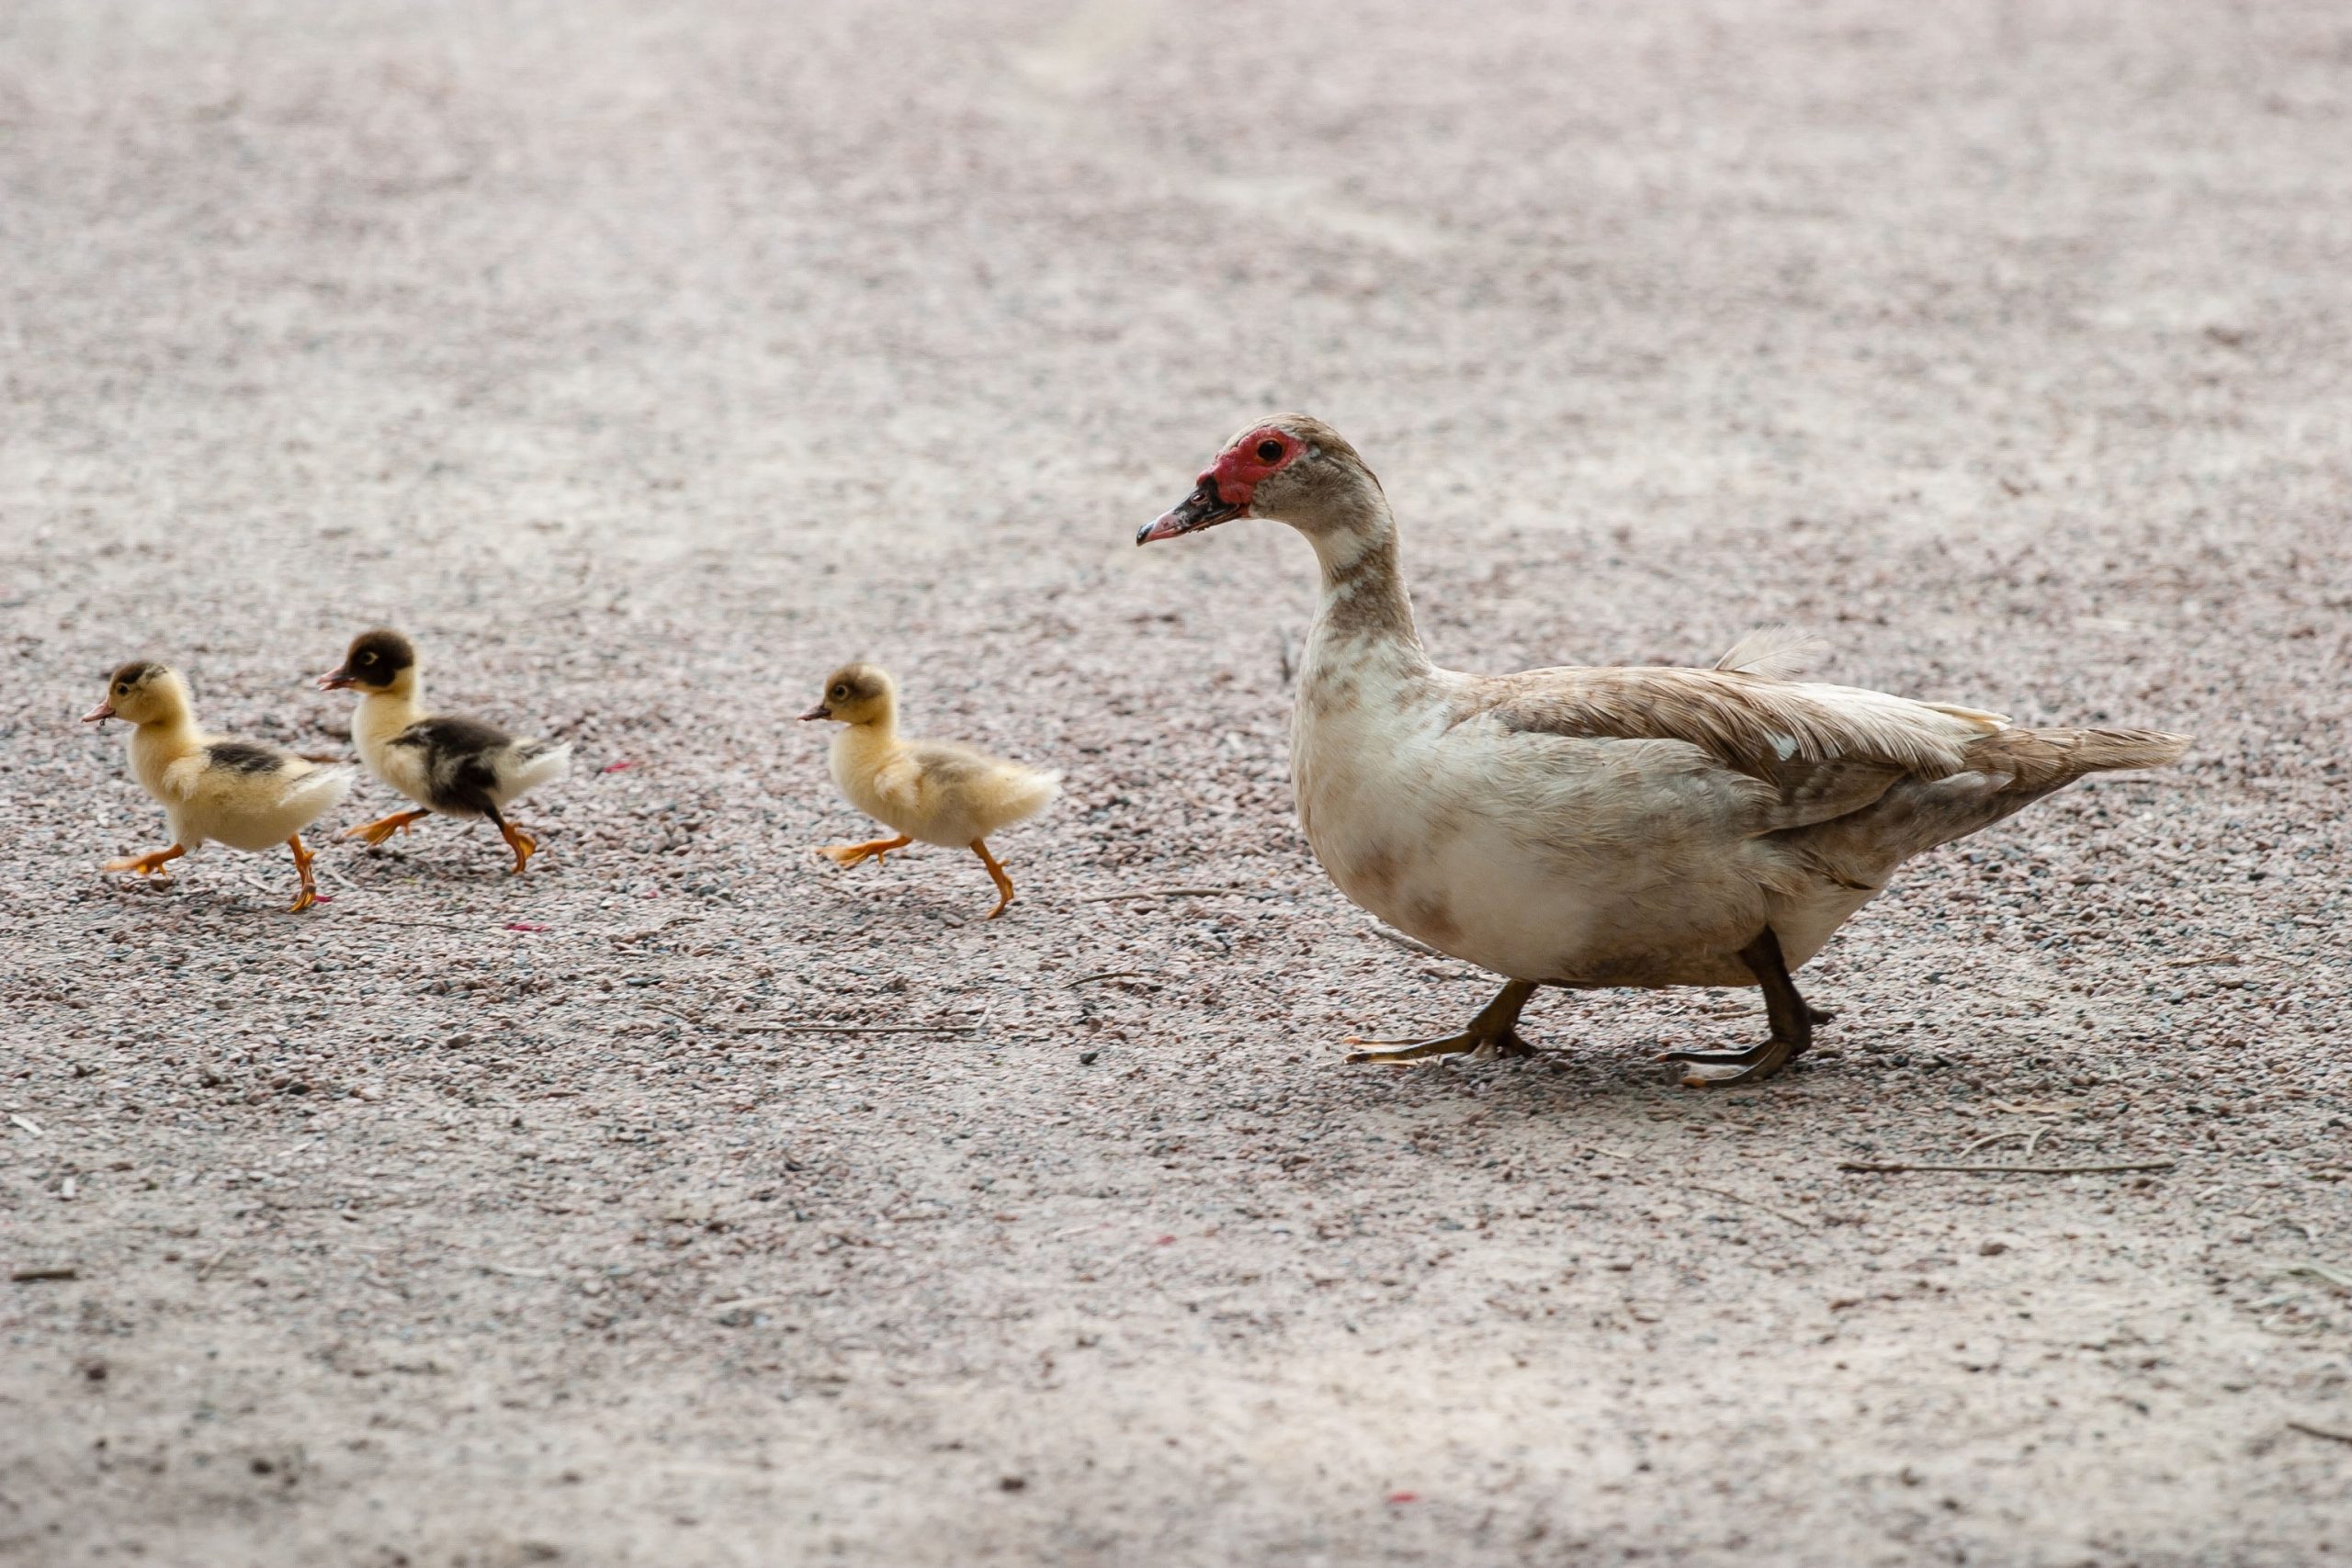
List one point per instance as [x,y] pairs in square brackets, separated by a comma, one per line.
[1226,490]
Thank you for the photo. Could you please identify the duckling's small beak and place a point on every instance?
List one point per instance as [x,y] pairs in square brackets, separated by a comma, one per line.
[1204,508]
[99,714]
[335,680]
[819,711]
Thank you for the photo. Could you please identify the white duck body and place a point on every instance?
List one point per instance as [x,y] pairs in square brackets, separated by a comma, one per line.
[1604,825]
[1567,860]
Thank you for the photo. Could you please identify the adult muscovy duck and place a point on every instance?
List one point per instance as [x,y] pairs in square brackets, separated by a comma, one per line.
[1606,827]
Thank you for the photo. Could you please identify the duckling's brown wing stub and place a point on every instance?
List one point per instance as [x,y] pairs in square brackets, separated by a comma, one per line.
[245,757]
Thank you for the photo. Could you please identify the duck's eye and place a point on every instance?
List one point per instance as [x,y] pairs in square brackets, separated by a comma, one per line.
[366,659]
[122,687]
[1269,451]
[840,694]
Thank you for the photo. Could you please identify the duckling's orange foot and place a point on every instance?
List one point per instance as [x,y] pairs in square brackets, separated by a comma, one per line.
[878,849]
[1751,1065]
[997,874]
[302,859]
[522,843]
[147,865]
[376,832]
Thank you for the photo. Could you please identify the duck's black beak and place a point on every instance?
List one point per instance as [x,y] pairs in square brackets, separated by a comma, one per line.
[819,711]
[336,680]
[1204,508]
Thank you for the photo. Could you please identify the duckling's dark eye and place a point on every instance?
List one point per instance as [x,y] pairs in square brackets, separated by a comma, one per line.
[368,658]
[1269,451]
[840,694]
[121,687]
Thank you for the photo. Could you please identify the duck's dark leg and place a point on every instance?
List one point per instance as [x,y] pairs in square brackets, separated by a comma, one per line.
[1791,1018]
[1495,1030]
[522,843]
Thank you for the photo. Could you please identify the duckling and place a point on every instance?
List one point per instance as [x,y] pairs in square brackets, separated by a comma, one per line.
[241,792]
[931,790]
[458,766]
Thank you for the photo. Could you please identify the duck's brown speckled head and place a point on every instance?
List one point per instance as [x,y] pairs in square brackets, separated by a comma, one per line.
[857,694]
[378,662]
[142,691]
[1291,468]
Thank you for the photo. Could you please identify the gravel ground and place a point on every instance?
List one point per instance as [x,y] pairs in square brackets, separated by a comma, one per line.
[646,362]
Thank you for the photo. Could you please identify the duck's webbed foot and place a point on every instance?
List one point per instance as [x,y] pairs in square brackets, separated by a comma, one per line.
[1494,1032]
[851,854]
[150,864]
[376,832]
[522,843]
[309,894]
[1792,1022]
[997,874]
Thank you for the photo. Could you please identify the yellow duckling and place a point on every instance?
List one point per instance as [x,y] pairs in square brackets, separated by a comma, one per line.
[445,762]
[240,793]
[931,790]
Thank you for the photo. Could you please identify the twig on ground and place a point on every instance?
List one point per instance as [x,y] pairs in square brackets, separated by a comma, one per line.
[1110,975]
[2035,1142]
[2339,1278]
[1752,1204]
[1989,1139]
[33,1273]
[1882,1168]
[204,1270]
[2330,1433]
[853,1028]
[519,1273]
[1172,892]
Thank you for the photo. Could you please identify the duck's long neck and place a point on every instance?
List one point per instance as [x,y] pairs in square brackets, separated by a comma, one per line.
[1366,612]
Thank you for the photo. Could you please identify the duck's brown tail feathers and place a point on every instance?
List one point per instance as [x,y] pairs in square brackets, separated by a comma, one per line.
[2038,761]
[2009,769]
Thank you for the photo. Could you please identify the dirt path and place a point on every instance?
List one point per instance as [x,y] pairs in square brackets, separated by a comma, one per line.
[645,362]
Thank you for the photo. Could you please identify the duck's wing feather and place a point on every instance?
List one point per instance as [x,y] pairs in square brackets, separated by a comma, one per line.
[1782,652]
[1753,724]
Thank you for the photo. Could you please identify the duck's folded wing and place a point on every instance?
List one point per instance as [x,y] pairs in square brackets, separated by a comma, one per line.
[1816,751]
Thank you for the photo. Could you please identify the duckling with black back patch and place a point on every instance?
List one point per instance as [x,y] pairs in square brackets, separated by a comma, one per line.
[446,762]
[239,792]
[933,790]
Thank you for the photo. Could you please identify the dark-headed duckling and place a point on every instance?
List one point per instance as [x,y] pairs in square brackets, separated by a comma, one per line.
[445,762]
